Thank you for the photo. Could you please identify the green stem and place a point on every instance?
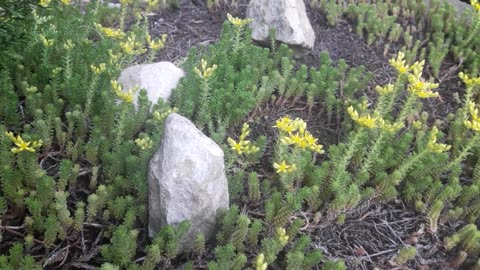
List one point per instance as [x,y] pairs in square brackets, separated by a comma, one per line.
[401,171]
[474,31]
[238,32]
[372,154]
[464,153]
[120,126]
[90,92]
[352,146]
[122,17]
[406,107]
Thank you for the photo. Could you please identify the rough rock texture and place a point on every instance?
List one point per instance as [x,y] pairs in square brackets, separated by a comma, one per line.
[186,181]
[459,6]
[158,79]
[287,17]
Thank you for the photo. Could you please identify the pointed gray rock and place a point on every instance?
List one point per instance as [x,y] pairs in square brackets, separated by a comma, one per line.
[186,181]
[287,17]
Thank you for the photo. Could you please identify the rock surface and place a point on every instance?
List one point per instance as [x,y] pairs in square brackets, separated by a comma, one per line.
[158,79]
[287,17]
[459,6]
[187,181]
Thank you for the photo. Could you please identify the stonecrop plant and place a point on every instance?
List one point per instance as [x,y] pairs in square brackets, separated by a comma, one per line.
[74,148]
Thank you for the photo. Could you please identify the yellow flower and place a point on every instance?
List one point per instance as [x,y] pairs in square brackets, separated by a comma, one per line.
[21,144]
[435,147]
[131,46]
[158,44]
[127,96]
[391,128]
[283,167]
[110,32]
[68,45]
[65,2]
[243,146]
[399,63]
[284,124]
[144,143]
[260,263]
[469,82]
[46,42]
[364,121]
[297,134]
[312,143]
[125,2]
[475,4]
[282,236]
[44,3]
[421,88]
[205,72]
[98,70]
[152,4]
[474,124]
[236,146]
[161,116]
[385,90]
[238,22]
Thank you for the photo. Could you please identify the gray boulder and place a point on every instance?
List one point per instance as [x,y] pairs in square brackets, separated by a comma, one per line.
[187,181]
[158,79]
[287,17]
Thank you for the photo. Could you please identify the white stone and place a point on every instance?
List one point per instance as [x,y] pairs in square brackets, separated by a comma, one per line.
[187,181]
[158,79]
[287,17]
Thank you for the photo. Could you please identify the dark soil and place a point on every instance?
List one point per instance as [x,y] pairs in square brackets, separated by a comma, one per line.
[373,233]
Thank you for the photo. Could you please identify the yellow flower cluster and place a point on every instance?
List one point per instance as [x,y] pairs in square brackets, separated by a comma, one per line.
[385,90]
[125,96]
[156,44]
[469,82]
[114,59]
[144,143]
[237,21]
[126,2]
[160,116]
[260,263]
[110,32]
[475,4]
[365,121]
[399,63]
[282,236]
[420,88]
[205,72]
[297,134]
[391,128]
[21,144]
[243,146]
[65,2]
[131,46]
[283,167]
[152,4]
[435,147]
[98,69]
[68,45]
[44,3]
[46,42]
[473,124]
[417,86]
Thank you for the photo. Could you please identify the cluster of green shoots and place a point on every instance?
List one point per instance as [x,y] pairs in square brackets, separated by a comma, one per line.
[429,32]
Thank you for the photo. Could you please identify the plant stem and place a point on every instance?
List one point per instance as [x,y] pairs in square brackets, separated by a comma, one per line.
[464,153]
[473,32]
[406,107]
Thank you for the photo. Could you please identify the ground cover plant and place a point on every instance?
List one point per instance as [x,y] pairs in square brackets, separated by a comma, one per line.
[310,151]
